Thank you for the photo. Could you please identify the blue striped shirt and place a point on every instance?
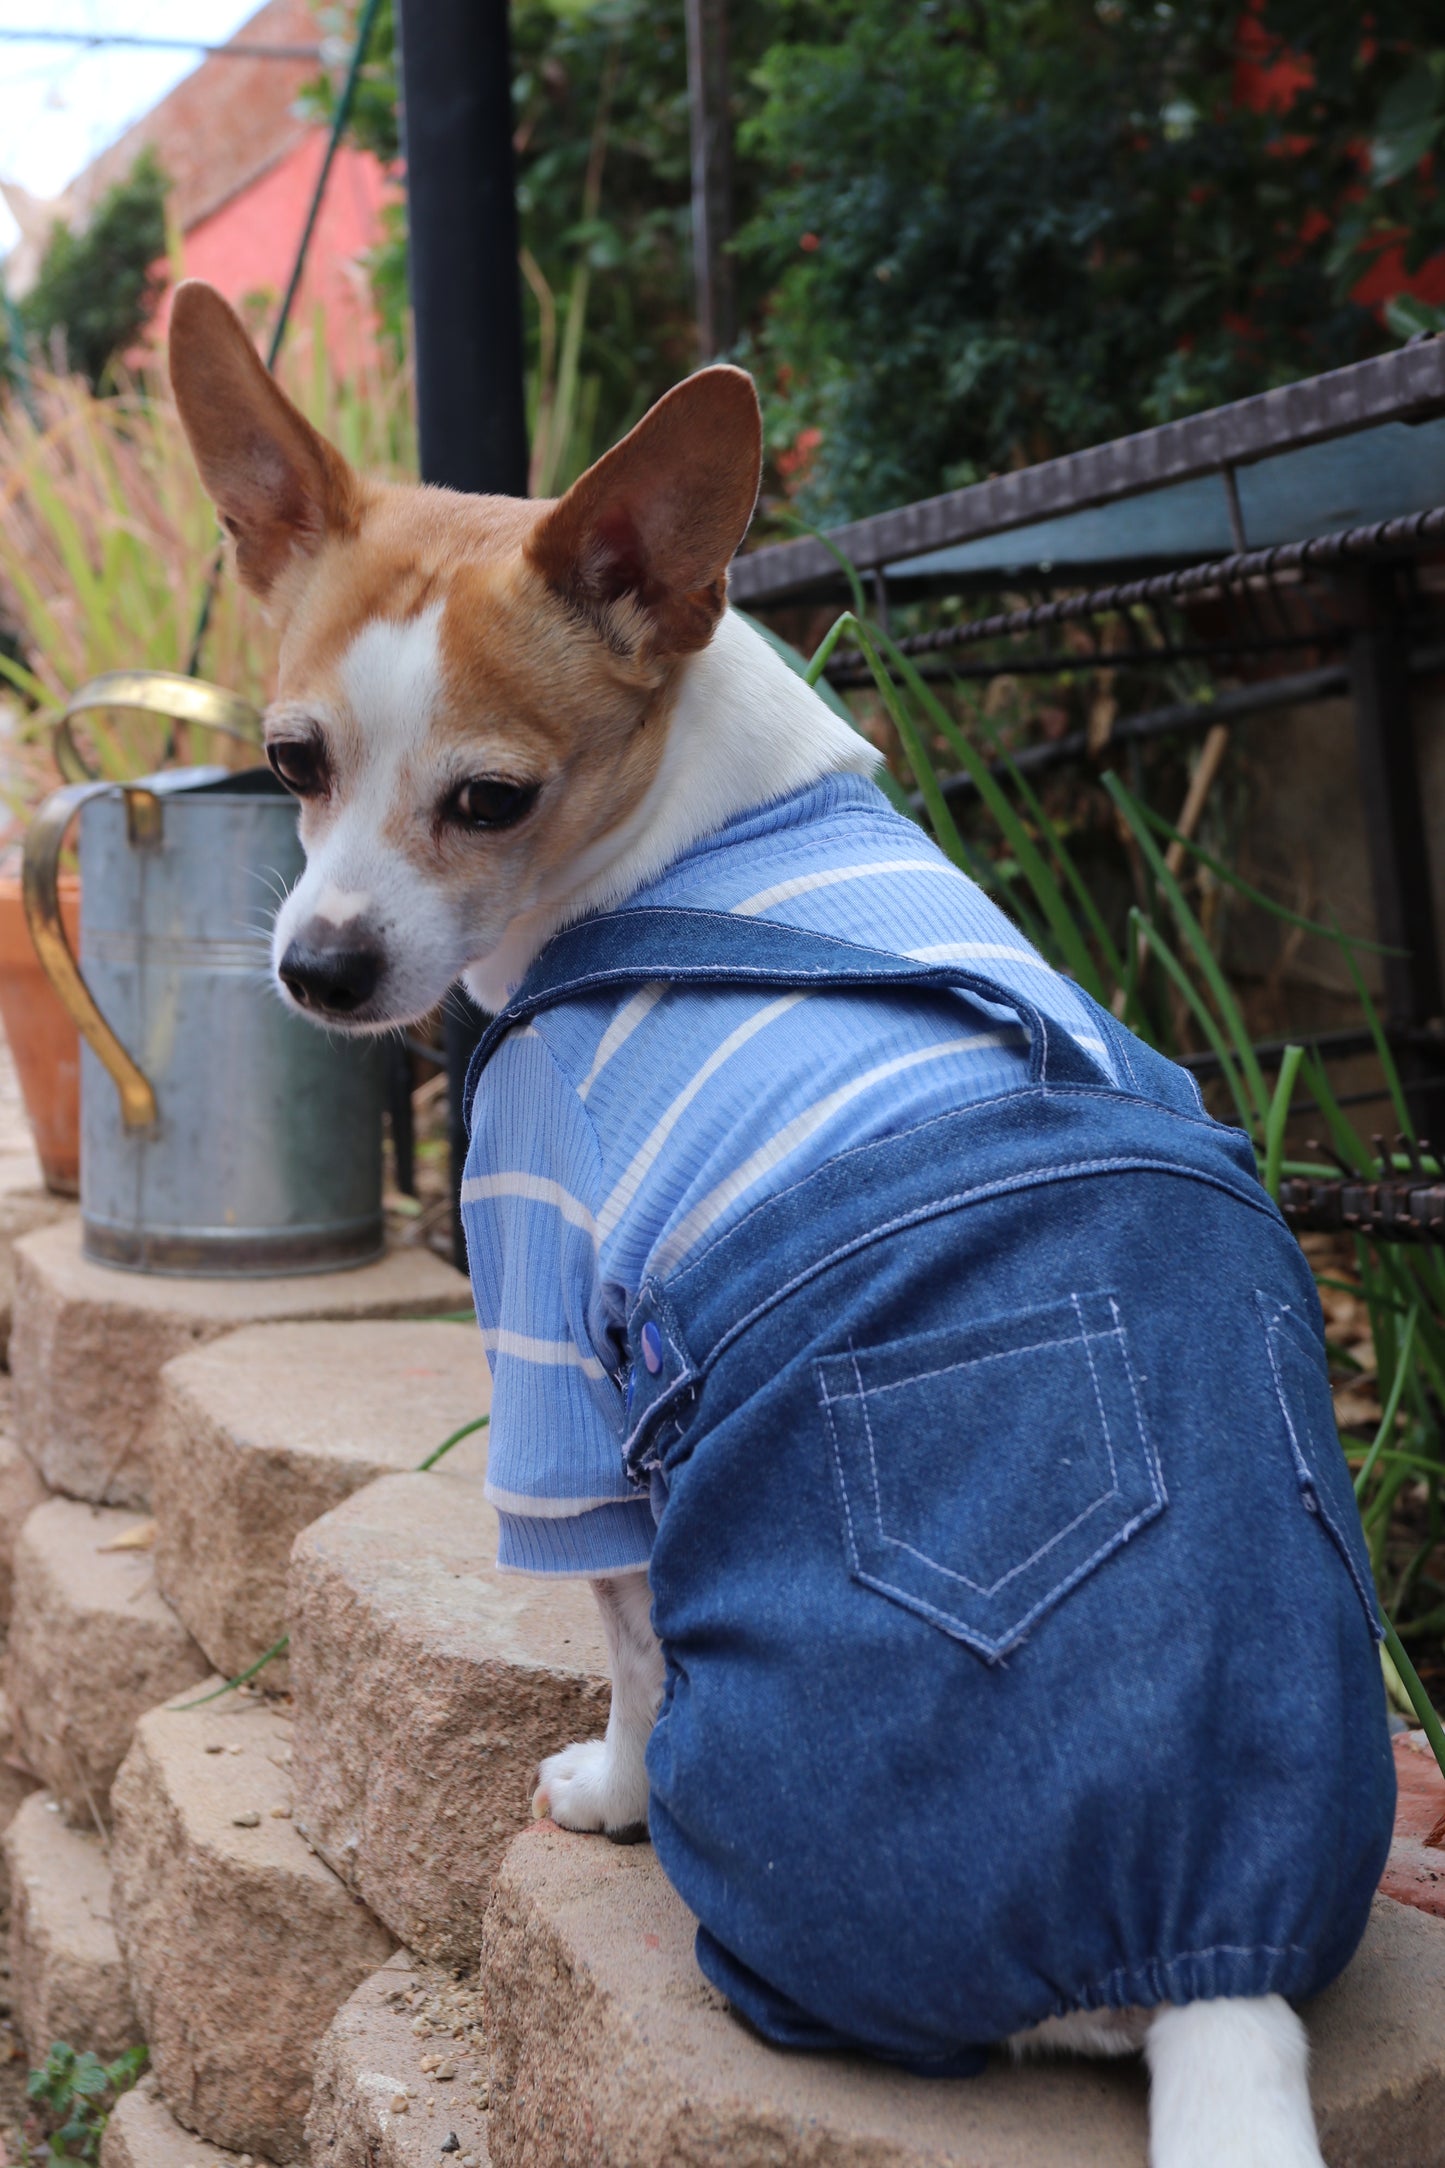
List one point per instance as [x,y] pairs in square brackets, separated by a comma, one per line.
[616,1133]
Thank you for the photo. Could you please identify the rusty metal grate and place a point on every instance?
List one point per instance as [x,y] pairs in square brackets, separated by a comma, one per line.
[1387,1206]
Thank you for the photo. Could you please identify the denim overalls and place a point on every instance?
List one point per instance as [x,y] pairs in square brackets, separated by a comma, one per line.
[1020,1637]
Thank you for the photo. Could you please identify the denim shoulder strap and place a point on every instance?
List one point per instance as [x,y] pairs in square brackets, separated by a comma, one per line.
[714,948]
[1142,1069]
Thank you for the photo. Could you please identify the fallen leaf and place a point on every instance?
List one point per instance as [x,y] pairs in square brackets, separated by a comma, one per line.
[140,1538]
[1345,1315]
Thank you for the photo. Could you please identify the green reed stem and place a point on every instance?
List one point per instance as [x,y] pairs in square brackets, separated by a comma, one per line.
[1419,1700]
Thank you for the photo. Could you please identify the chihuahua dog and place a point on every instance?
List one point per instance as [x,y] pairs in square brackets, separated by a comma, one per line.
[530,738]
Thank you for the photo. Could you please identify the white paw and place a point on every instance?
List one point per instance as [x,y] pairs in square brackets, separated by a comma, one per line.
[592,1786]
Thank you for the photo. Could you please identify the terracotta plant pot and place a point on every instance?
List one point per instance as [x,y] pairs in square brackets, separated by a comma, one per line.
[44,1044]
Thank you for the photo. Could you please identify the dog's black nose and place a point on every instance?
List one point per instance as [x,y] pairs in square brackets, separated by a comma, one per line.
[332,981]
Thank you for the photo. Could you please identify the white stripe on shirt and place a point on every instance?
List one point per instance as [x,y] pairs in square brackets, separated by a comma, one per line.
[709,1209]
[539,1187]
[626,1189]
[550,1509]
[623,1024]
[800,884]
[554,1354]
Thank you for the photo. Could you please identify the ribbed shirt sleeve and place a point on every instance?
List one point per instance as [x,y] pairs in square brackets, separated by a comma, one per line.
[529,1205]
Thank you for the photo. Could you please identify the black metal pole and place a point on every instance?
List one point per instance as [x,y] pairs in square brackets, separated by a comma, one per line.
[712,174]
[466,297]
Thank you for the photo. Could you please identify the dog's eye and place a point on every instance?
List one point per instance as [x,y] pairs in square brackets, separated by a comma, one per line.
[300,763]
[485,801]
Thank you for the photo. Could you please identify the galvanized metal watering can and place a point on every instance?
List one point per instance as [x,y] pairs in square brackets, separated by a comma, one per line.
[220,1134]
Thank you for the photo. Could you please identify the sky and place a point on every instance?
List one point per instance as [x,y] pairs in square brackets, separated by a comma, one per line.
[59,105]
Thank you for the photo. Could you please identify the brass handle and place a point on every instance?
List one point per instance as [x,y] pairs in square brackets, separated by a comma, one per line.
[155,692]
[40,875]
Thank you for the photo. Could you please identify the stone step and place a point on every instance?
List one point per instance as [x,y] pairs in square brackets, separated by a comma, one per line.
[16,1782]
[92,1647]
[67,1979]
[89,1342]
[260,1433]
[241,1945]
[142,2133]
[610,2051]
[24,1207]
[21,1491]
[1415,1872]
[402,2073]
[427,1688]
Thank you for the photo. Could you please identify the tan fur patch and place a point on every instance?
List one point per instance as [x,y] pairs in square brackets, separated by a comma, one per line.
[526,692]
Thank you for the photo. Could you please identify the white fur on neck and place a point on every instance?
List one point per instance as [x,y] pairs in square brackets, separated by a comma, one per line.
[745,731]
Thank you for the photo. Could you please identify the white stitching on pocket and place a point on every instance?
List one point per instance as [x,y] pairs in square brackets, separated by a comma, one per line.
[992,1588]
[996,1650]
[991,1638]
[1098,1396]
[1151,1451]
[1104,1498]
[842,1479]
[868,1433]
[971,1362]
[1272,1315]
[923,1377]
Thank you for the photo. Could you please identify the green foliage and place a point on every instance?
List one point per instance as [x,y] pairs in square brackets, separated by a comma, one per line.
[974,232]
[75,2094]
[107,537]
[1001,229]
[97,288]
[374,124]
[603,184]
[600,93]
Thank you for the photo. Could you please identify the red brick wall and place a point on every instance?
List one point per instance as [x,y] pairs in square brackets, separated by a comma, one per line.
[247,246]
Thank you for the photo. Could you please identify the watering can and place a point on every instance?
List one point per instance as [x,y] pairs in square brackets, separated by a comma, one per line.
[220,1134]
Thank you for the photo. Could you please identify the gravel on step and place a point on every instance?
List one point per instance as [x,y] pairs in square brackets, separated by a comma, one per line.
[403,2076]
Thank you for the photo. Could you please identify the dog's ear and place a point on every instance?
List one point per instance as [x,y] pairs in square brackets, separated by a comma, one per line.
[279,487]
[652,527]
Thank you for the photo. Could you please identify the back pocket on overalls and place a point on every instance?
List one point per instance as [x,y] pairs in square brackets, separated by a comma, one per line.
[986,1469]
[1302,1387]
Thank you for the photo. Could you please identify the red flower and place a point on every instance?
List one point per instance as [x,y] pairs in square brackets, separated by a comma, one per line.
[794,463]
